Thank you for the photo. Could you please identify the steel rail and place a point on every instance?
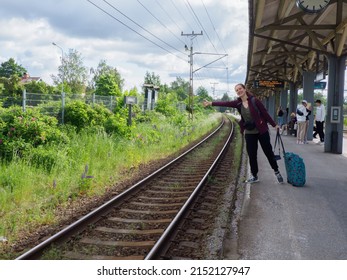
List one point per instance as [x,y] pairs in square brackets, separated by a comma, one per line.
[104,208]
[164,241]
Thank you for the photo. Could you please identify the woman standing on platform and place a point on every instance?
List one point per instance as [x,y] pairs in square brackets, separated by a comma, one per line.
[253,123]
[280,114]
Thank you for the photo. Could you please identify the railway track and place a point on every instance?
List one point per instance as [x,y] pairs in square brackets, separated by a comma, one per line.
[140,222]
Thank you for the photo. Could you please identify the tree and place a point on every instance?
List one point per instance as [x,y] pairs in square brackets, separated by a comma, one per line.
[106,84]
[152,79]
[39,87]
[132,92]
[12,85]
[167,105]
[10,68]
[202,94]
[225,97]
[104,69]
[181,87]
[72,72]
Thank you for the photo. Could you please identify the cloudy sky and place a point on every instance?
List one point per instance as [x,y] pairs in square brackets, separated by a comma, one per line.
[133,35]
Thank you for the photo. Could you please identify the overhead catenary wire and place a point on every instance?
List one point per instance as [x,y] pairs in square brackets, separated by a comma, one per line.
[164,25]
[148,38]
[214,28]
[200,24]
[140,26]
[124,24]
[169,16]
[180,13]
[203,28]
[190,11]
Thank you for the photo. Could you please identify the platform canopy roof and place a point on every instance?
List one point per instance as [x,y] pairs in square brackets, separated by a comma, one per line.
[285,41]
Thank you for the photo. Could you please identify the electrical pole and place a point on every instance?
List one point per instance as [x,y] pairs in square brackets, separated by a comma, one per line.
[191,91]
[214,89]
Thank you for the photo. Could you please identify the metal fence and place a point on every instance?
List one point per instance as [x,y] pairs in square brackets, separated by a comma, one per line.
[53,104]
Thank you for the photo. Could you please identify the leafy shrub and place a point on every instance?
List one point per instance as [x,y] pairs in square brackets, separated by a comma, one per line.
[19,131]
[45,158]
[77,113]
[118,124]
[167,107]
[99,115]
[81,115]
[150,136]
[180,120]
[149,116]
[52,108]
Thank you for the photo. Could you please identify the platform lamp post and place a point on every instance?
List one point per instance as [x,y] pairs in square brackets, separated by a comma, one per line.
[62,84]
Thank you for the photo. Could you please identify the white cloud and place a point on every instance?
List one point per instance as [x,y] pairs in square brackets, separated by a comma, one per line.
[28,31]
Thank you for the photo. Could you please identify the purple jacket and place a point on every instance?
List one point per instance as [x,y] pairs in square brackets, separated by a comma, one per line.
[261,119]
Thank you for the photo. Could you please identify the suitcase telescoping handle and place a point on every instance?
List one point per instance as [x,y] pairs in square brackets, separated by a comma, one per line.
[279,141]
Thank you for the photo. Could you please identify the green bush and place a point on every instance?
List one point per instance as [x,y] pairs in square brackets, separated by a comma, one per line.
[99,115]
[82,115]
[52,108]
[78,114]
[166,107]
[149,116]
[118,124]
[19,131]
[46,158]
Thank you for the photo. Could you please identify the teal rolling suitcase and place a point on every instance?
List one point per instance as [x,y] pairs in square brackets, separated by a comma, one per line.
[295,166]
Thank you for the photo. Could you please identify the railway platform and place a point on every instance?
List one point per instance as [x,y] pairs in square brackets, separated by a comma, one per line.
[282,222]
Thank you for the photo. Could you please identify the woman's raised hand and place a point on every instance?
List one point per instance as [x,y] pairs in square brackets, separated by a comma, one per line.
[206,103]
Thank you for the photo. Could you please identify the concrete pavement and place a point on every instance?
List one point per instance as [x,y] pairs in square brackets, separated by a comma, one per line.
[286,222]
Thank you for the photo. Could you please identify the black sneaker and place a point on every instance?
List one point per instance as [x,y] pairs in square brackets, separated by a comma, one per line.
[279,177]
[252,179]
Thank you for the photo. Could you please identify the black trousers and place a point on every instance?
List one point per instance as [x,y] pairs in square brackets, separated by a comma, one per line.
[252,150]
[320,130]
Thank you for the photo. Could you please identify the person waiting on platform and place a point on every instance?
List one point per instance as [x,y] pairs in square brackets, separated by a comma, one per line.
[309,111]
[280,115]
[320,117]
[301,114]
[292,125]
[253,123]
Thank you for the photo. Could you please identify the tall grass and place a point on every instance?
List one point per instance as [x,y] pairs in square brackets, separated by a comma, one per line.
[91,162]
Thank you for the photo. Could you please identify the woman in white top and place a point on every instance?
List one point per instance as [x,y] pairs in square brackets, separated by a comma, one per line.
[301,114]
[320,117]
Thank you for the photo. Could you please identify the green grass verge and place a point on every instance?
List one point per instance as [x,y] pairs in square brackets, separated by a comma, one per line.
[29,193]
